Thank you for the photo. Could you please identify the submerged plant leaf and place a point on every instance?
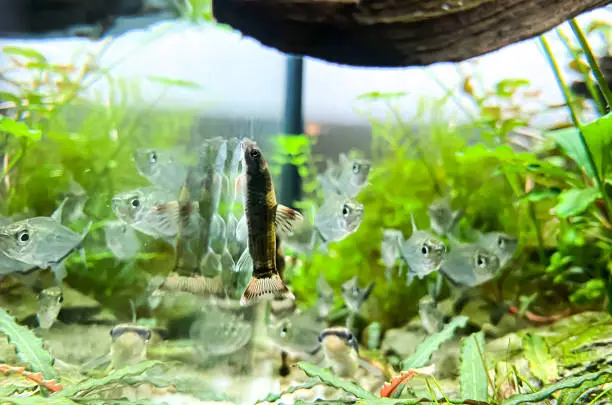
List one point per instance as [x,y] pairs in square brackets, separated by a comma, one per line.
[115,376]
[29,53]
[569,141]
[598,135]
[329,379]
[19,129]
[541,363]
[311,383]
[29,346]
[548,390]
[569,397]
[575,201]
[473,376]
[423,352]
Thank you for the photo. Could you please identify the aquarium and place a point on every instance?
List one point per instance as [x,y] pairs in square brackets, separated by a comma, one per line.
[194,212]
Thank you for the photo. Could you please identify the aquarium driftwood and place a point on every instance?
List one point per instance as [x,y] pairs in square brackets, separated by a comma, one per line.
[395,32]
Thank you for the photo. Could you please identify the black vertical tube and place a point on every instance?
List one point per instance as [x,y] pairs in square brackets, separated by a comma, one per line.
[291,183]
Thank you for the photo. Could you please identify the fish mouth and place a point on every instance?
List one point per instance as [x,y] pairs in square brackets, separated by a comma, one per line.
[247,144]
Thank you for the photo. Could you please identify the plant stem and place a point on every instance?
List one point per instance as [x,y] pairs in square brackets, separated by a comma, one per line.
[601,107]
[601,80]
[568,99]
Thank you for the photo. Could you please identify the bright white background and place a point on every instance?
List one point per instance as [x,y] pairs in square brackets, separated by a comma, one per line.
[239,77]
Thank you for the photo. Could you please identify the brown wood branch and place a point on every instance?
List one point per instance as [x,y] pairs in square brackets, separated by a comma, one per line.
[390,33]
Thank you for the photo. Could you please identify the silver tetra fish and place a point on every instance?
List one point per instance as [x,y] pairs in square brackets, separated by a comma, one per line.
[442,218]
[347,178]
[325,298]
[337,218]
[354,296]
[422,252]
[501,244]
[390,250]
[162,167]
[468,265]
[218,332]
[431,317]
[49,306]
[121,240]
[264,217]
[297,335]
[42,242]
[154,212]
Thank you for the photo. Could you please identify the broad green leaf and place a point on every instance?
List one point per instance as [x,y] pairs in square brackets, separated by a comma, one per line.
[598,135]
[541,194]
[25,52]
[19,129]
[29,346]
[473,376]
[113,377]
[6,96]
[541,363]
[575,201]
[423,352]
[329,379]
[569,140]
[174,82]
[548,390]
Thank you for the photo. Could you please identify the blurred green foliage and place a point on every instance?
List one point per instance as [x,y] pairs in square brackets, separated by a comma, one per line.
[52,133]
[543,193]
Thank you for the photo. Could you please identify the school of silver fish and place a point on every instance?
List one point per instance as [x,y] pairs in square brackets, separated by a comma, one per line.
[216,205]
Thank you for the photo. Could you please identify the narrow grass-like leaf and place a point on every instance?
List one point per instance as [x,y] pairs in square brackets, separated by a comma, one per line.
[271,397]
[329,379]
[569,397]
[113,377]
[548,390]
[29,346]
[473,376]
[423,352]
[541,363]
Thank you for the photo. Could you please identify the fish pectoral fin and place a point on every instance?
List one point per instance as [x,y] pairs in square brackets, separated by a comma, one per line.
[265,288]
[59,270]
[287,219]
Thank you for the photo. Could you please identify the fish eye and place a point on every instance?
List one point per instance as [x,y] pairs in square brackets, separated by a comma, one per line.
[356,168]
[501,242]
[254,153]
[153,157]
[60,299]
[23,236]
[425,250]
[135,202]
[284,331]
[346,210]
[481,261]
[355,292]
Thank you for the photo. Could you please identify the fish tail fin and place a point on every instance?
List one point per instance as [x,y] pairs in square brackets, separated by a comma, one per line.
[267,288]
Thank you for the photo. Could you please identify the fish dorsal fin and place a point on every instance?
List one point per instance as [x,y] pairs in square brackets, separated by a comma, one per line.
[57,214]
[453,240]
[368,290]
[414,227]
[287,219]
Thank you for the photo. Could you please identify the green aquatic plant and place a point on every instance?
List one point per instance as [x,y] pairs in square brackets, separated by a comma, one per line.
[29,347]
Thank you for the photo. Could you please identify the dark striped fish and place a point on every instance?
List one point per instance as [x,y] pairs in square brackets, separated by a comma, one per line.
[264,217]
